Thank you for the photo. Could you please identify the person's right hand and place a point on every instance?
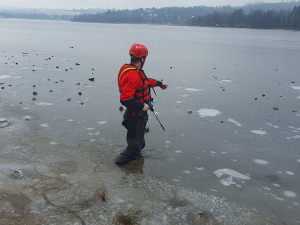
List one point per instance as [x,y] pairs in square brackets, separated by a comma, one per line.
[146,107]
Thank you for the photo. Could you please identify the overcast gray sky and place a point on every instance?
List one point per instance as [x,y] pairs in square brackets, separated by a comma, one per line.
[121,4]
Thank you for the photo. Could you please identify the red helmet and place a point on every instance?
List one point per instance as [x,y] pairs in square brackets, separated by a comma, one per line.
[138,50]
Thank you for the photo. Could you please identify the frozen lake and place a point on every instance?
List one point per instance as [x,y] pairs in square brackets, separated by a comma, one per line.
[231,113]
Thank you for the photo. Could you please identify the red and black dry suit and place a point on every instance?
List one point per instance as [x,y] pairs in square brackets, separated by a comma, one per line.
[134,89]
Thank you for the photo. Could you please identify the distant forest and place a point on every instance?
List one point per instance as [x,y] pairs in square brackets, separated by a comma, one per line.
[201,16]
[283,15]
[256,19]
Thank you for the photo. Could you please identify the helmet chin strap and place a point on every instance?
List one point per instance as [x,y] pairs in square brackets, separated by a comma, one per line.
[142,62]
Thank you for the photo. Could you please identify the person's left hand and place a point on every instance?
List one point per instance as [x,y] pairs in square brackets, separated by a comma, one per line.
[164,86]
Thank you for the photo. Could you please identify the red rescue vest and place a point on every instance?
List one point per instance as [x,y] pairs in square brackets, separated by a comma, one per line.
[143,92]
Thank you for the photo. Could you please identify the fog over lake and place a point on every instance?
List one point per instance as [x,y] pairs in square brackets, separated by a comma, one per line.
[230,153]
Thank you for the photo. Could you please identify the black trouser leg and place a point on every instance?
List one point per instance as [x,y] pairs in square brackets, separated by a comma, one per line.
[135,126]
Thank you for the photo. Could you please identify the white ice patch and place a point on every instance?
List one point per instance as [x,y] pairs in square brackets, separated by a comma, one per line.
[289,172]
[102,122]
[261,161]
[200,169]
[208,112]
[279,199]
[298,97]
[70,120]
[43,103]
[295,87]
[187,172]
[298,160]
[226,81]
[178,151]
[235,122]
[193,89]
[90,128]
[227,181]
[260,132]
[185,95]
[44,125]
[53,143]
[231,174]
[179,102]
[271,125]
[4,76]
[290,194]
[167,142]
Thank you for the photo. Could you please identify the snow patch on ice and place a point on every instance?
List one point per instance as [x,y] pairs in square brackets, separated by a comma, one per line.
[231,174]
[44,125]
[235,122]
[261,161]
[102,122]
[289,172]
[200,169]
[193,89]
[290,194]
[295,87]
[259,132]
[4,76]
[204,112]
[43,103]
[226,81]
[185,95]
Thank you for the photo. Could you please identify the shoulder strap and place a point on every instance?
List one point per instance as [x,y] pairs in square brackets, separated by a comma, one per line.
[129,68]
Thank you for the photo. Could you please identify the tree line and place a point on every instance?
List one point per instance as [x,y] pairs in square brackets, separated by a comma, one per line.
[256,19]
[201,16]
[166,15]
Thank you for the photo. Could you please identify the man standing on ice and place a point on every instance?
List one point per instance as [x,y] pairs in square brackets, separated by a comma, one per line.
[134,89]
